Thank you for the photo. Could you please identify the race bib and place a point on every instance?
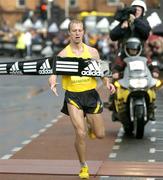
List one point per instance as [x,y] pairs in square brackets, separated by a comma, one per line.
[79,79]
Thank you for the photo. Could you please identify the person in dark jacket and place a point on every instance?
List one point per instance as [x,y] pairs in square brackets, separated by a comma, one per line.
[131,24]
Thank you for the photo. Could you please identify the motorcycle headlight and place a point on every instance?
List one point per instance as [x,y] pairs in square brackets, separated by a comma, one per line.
[138,83]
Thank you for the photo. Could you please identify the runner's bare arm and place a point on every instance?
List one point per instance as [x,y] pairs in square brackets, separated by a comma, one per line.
[53,78]
[106,80]
[94,53]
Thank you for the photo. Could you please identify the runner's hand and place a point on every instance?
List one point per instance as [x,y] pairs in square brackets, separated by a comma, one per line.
[54,89]
[53,84]
[109,85]
[111,88]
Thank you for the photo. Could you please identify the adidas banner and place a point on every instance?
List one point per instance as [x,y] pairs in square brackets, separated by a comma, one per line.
[58,66]
[80,67]
[31,67]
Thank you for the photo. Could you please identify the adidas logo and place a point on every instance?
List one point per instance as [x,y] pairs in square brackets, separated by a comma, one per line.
[15,69]
[45,68]
[93,69]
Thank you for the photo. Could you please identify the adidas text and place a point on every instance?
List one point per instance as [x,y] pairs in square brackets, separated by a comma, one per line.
[45,71]
[16,72]
[91,73]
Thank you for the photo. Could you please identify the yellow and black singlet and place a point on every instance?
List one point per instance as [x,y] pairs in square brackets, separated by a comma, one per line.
[78,83]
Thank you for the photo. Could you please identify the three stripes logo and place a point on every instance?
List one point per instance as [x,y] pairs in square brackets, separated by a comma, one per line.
[45,68]
[30,67]
[15,69]
[93,69]
[3,68]
[67,66]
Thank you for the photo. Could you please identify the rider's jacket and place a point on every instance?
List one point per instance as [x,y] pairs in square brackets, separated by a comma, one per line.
[78,83]
[140,29]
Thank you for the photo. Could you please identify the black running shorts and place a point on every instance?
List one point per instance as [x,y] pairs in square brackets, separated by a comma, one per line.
[88,101]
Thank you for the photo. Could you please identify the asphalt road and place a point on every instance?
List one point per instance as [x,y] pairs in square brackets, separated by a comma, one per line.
[27,105]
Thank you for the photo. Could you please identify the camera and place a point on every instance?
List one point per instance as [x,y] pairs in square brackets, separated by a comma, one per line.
[124,14]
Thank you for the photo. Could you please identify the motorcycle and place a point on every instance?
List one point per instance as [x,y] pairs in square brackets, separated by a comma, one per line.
[134,101]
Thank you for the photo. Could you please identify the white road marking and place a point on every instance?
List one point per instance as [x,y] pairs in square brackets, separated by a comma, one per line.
[49,125]
[7,156]
[153,150]
[112,155]
[16,149]
[35,136]
[54,120]
[158,130]
[60,116]
[153,122]
[153,139]
[118,140]
[26,142]
[116,147]
[153,130]
[42,130]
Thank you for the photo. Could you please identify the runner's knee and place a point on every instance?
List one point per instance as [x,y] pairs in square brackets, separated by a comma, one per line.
[81,134]
[100,135]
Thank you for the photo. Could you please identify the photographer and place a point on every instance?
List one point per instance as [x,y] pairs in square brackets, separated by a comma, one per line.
[131,23]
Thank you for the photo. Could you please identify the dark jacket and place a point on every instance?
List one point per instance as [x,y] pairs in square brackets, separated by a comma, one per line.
[140,29]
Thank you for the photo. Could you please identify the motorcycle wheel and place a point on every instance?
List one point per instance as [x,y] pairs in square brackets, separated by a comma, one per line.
[128,128]
[139,122]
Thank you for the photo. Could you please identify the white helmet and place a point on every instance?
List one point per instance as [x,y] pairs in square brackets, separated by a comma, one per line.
[140,3]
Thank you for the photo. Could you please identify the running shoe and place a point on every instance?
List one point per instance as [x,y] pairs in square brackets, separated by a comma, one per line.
[91,134]
[84,172]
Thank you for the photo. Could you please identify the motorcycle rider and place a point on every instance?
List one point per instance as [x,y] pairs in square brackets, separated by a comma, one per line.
[132,47]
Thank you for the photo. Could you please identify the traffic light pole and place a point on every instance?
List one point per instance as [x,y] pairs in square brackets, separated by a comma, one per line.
[49,9]
[66,8]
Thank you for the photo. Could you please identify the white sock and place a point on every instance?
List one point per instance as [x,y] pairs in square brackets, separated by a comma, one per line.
[83,164]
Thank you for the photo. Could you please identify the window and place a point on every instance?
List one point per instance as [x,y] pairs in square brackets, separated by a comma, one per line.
[20,3]
[72,3]
[113,2]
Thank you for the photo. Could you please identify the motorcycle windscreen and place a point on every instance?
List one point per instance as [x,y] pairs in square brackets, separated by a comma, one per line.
[137,69]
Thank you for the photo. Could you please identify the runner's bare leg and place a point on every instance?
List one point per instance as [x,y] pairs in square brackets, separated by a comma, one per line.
[77,119]
[97,124]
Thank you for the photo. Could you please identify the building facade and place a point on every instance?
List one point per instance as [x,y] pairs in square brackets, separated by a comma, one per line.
[13,10]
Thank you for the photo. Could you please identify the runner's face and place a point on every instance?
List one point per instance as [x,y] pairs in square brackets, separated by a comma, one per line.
[76,33]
